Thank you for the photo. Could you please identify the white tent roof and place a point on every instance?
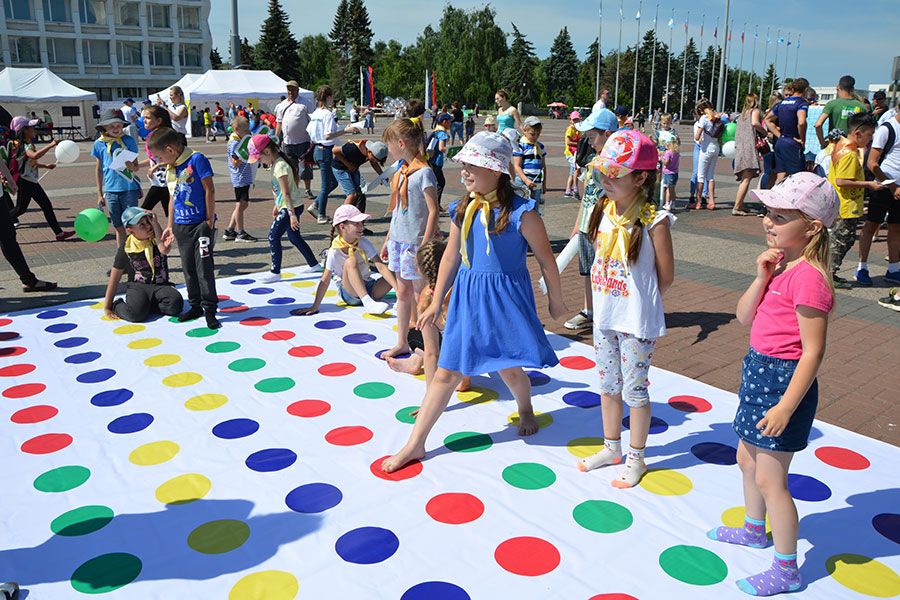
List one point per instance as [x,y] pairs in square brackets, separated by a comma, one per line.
[238,86]
[39,85]
[184,83]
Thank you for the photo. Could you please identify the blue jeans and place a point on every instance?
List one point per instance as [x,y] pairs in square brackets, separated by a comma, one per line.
[324,158]
[694,171]
[349,180]
[117,202]
[280,225]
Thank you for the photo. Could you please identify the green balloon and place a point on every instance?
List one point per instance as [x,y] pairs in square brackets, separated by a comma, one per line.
[91,225]
[730,130]
[229,129]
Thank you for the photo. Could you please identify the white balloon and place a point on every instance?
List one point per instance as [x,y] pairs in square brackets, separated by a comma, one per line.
[728,149]
[67,151]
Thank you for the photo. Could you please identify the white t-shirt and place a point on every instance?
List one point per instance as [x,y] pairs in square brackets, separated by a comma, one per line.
[889,114]
[294,119]
[181,125]
[334,262]
[707,142]
[891,164]
[129,113]
[321,123]
[408,227]
[629,303]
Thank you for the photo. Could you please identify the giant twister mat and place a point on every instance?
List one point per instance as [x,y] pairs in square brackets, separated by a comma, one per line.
[166,460]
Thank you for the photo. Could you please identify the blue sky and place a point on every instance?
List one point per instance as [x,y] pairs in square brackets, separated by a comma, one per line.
[865,52]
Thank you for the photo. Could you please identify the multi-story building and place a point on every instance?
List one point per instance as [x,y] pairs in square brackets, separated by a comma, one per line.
[115,48]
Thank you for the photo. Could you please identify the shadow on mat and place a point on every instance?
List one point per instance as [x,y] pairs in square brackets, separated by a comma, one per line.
[707,321]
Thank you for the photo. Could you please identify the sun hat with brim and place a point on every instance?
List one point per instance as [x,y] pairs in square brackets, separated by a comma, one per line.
[348,212]
[627,151]
[132,215]
[601,119]
[812,195]
[257,144]
[19,123]
[111,116]
[378,149]
[488,150]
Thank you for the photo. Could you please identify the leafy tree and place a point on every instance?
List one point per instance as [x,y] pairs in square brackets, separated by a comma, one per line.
[276,49]
[518,68]
[247,55]
[360,35]
[215,59]
[340,42]
[769,80]
[314,61]
[562,68]
[585,85]
[686,65]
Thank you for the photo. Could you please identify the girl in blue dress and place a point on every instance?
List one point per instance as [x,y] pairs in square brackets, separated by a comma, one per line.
[492,322]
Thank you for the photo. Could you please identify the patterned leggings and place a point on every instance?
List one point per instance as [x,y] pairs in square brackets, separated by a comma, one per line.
[623,361]
[843,236]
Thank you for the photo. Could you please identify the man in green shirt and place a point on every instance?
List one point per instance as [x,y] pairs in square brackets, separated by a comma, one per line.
[837,111]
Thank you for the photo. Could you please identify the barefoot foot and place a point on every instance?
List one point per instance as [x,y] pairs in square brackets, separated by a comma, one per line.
[465,385]
[398,349]
[411,365]
[528,424]
[399,460]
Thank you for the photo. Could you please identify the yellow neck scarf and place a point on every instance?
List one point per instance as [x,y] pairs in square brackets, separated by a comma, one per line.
[615,244]
[134,245]
[234,137]
[172,179]
[485,203]
[339,243]
[109,141]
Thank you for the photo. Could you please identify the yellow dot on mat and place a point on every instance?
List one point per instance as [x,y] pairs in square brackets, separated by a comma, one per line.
[543,419]
[286,275]
[144,343]
[304,284]
[206,402]
[584,446]
[734,517]
[154,453]
[666,482]
[162,360]
[128,329]
[331,293]
[265,585]
[420,376]
[478,395]
[106,318]
[98,305]
[378,317]
[341,304]
[182,379]
[183,489]
[864,575]
[394,328]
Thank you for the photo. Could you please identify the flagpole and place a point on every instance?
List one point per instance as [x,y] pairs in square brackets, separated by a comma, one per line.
[671,25]
[653,62]
[737,93]
[765,66]
[684,64]
[787,52]
[699,61]
[712,67]
[753,60]
[637,47]
[619,51]
[599,35]
[775,62]
[797,55]
[727,54]
[361,101]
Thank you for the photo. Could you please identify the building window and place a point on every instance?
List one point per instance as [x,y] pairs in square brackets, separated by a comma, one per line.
[57,11]
[160,54]
[18,9]
[189,18]
[96,52]
[128,92]
[92,11]
[127,13]
[24,50]
[190,55]
[61,51]
[159,15]
[130,53]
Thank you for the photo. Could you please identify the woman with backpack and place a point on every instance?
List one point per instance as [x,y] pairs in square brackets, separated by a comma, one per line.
[709,130]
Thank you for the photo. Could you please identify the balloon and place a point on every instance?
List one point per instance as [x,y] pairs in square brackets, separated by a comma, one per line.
[730,130]
[91,225]
[67,152]
[728,149]
[229,129]
[142,131]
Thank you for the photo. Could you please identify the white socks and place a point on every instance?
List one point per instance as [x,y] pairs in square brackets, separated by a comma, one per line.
[863,265]
[611,454]
[630,474]
[373,307]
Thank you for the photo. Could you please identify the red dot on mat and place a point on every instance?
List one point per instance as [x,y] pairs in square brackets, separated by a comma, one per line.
[612,597]
[529,556]
[34,414]
[47,443]
[255,321]
[235,309]
[16,370]
[842,458]
[12,351]
[278,336]
[24,390]
[349,436]
[579,363]
[407,472]
[336,369]
[223,297]
[454,509]
[309,408]
[690,404]
[305,351]
[5,322]
[6,336]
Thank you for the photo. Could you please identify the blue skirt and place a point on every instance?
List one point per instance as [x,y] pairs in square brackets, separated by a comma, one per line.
[764,381]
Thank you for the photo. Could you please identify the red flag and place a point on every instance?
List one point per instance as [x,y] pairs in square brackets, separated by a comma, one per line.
[716,32]
[742,37]
[370,80]
[433,89]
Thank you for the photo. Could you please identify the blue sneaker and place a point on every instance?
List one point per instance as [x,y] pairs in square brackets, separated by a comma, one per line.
[862,278]
[892,276]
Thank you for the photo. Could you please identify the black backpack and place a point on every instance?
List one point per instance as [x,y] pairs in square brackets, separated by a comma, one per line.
[585,152]
[717,128]
[891,139]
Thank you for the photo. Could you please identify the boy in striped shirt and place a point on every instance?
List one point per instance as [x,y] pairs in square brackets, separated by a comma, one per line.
[528,161]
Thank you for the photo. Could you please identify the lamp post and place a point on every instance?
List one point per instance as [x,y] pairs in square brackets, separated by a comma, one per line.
[720,99]
[235,37]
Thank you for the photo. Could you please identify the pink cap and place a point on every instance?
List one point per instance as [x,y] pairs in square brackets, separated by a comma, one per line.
[257,143]
[19,123]
[626,151]
[348,212]
[812,195]
[574,116]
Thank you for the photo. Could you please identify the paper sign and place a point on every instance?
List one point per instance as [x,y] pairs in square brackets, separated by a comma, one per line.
[357,125]
[243,150]
[383,178]
[120,157]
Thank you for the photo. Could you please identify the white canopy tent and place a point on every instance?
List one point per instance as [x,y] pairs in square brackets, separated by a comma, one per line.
[25,90]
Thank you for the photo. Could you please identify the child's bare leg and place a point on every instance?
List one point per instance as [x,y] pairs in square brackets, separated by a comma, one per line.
[611,453]
[520,386]
[405,299]
[465,385]
[588,295]
[639,426]
[753,532]
[436,399]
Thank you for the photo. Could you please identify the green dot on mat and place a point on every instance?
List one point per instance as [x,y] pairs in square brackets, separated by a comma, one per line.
[201,332]
[218,537]
[403,414]
[82,520]
[106,573]
[602,516]
[62,479]
[244,365]
[392,295]
[529,476]
[222,347]
[468,441]
[275,384]
[374,390]
[693,565]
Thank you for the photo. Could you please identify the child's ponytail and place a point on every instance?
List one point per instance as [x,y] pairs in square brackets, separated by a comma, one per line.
[295,167]
[817,252]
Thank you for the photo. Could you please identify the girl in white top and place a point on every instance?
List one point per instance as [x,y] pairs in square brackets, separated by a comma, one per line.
[178,111]
[633,266]
[709,154]
[323,130]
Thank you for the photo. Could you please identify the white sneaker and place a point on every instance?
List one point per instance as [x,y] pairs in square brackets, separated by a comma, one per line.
[311,209]
[317,268]
[270,277]
[373,307]
[580,321]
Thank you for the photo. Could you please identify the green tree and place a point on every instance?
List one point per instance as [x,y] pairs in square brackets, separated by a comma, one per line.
[769,80]
[585,85]
[340,42]
[518,69]
[313,61]
[687,71]
[360,36]
[562,68]
[247,55]
[215,59]
[276,49]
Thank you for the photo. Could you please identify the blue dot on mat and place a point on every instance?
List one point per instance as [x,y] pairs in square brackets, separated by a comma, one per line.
[60,327]
[888,525]
[367,545]
[112,397]
[359,338]
[271,459]
[130,423]
[95,376]
[330,324]
[435,590]
[282,300]
[84,357]
[52,314]
[804,487]
[260,291]
[235,428]
[582,399]
[243,281]
[715,453]
[313,498]
[380,352]
[537,378]
[72,342]
[657,425]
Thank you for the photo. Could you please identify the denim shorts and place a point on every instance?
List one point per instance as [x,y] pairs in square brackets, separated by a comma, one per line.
[788,157]
[764,380]
[670,179]
[117,202]
[348,180]
[348,296]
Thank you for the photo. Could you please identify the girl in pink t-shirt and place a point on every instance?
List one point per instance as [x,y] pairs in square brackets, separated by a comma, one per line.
[787,307]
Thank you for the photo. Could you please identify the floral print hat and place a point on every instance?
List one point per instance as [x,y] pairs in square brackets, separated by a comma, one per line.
[487,149]
[626,151]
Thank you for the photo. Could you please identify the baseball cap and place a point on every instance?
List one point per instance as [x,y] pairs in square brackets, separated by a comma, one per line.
[600,118]
[621,111]
[129,99]
[348,212]
[19,123]
[812,195]
[132,215]
[490,120]
[292,83]
[378,149]
[532,122]
[574,116]
[257,144]
[444,117]
[626,151]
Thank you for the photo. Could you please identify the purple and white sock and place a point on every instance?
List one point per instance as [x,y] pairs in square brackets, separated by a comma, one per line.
[752,534]
[783,576]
